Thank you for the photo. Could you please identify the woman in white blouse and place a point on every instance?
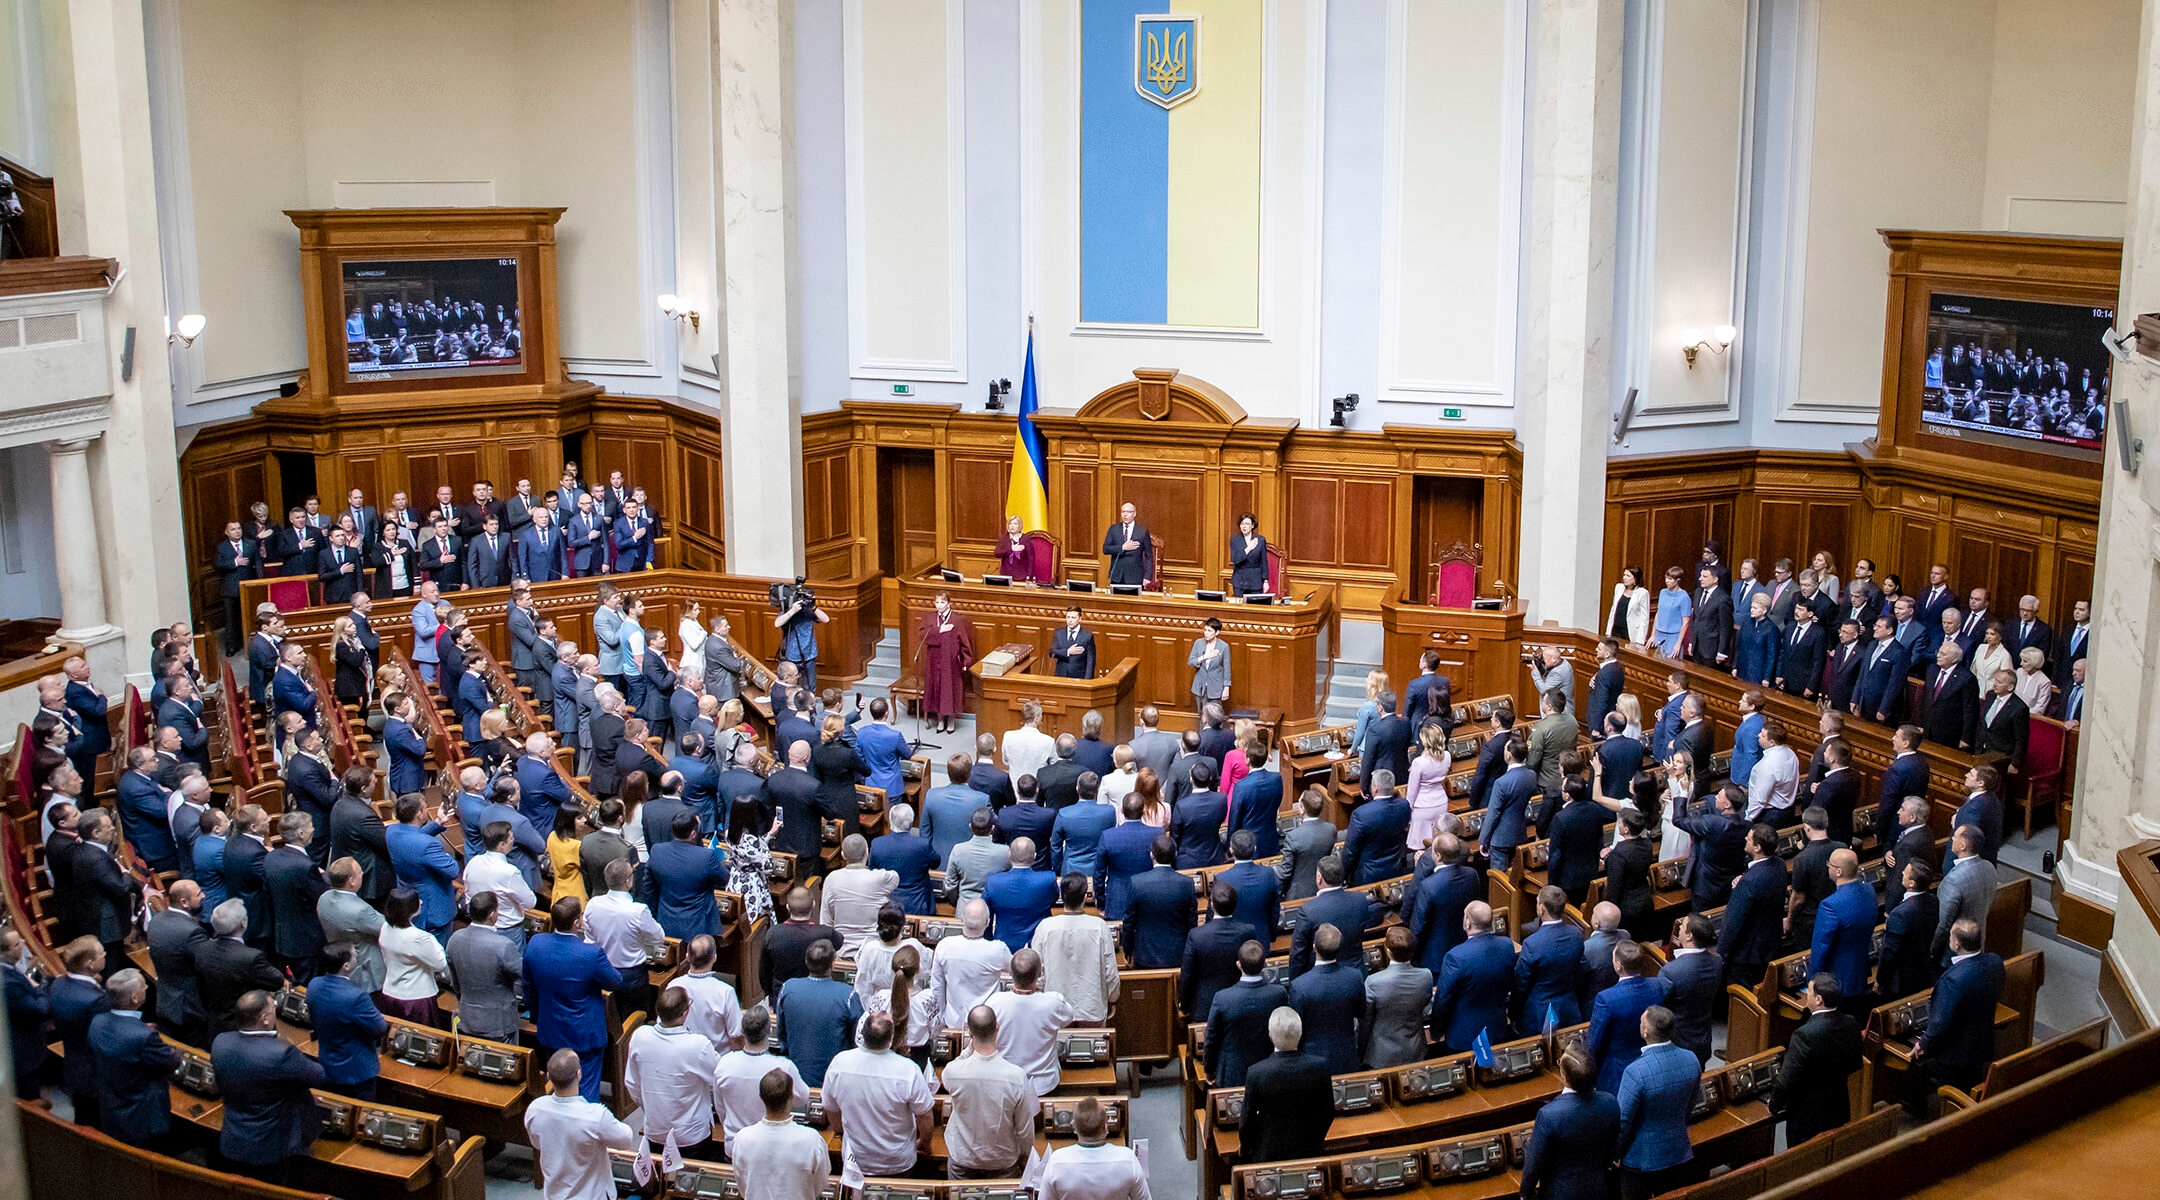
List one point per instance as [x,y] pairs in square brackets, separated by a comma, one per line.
[690,635]
[1120,780]
[1989,656]
[1629,618]
[413,962]
[1673,841]
[1630,710]
[2033,686]
[904,991]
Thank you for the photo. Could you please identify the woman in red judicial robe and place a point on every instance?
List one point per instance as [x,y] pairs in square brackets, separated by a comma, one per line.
[1016,559]
[946,644]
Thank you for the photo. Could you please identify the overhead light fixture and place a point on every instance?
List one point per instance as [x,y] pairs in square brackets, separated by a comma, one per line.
[678,309]
[186,330]
[1692,342]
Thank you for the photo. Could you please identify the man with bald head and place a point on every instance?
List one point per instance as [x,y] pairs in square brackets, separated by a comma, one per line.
[1028,1022]
[854,894]
[794,795]
[965,969]
[1844,926]
[878,1103]
[132,1066]
[1019,898]
[571,1135]
[175,932]
[1474,982]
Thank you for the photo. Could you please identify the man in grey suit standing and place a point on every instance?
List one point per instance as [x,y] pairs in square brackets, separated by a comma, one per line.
[524,626]
[1309,841]
[1967,890]
[723,666]
[1151,747]
[1210,661]
[1397,1000]
[485,968]
[1551,673]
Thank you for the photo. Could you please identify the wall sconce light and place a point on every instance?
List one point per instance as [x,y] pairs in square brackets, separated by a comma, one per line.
[674,306]
[1692,342]
[186,331]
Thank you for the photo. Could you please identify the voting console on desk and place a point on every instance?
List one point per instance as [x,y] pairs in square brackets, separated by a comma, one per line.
[492,1061]
[416,1046]
[292,1008]
[194,1074]
[1058,1115]
[1906,1021]
[1434,1080]
[1387,1171]
[1084,1048]
[1751,1078]
[1514,1060]
[696,1181]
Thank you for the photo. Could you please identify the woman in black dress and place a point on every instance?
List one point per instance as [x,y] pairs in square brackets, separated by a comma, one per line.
[392,559]
[354,668]
[1248,558]
[836,767]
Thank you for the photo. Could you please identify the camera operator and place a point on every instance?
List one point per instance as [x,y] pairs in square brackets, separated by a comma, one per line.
[798,619]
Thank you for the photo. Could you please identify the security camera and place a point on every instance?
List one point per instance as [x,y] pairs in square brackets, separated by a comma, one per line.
[999,389]
[2119,344]
[1343,405]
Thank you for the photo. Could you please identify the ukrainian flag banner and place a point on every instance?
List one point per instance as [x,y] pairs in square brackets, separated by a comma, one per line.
[1028,495]
[1170,163]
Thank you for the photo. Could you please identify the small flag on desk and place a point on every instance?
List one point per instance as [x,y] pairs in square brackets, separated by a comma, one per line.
[1481,1049]
[1552,1019]
[1028,495]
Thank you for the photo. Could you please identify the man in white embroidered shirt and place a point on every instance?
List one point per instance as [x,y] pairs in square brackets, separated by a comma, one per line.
[494,872]
[572,1135]
[878,1102]
[788,1161]
[742,1075]
[1079,955]
[1092,1168]
[1029,1020]
[626,932]
[673,1074]
[965,969]
[1774,781]
[1028,748]
[714,1010]
[991,1130]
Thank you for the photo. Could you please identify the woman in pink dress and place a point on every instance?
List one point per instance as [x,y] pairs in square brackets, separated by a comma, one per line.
[1427,789]
[1235,764]
[1015,559]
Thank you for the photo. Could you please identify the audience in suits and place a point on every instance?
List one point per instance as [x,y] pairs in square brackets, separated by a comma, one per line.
[1959,1041]
[1575,1138]
[1656,1091]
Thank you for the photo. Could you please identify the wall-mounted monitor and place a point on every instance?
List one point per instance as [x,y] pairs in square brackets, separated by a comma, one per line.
[410,319]
[2024,374]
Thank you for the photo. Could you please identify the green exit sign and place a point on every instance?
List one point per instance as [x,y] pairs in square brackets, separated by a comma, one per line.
[903,389]
[1453,412]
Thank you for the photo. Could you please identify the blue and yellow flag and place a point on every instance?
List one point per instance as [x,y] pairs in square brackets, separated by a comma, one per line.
[1028,495]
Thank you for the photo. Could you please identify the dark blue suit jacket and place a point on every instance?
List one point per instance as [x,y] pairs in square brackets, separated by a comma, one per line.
[542,566]
[1126,851]
[1472,994]
[264,1081]
[684,875]
[1844,927]
[1253,805]
[347,1030]
[1197,824]
[564,976]
[244,879]
[1018,901]
[210,870]
[1754,916]
[1605,689]
[1237,1035]
[1259,897]
[1881,680]
[1572,1148]
[29,1007]
[1209,963]
[1578,835]
[1549,977]
[1508,808]
[1373,847]
[1666,728]
[1030,821]
[565,679]
[911,855]
[1985,811]
[1693,983]
[420,861]
[1717,855]
[472,700]
[1907,775]
[540,792]
[408,757]
[133,1064]
[1330,999]
[1960,1040]
[1654,1102]
[1352,914]
[74,1004]
[290,693]
[1159,913]
[142,818]
[1436,912]
[1615,1038]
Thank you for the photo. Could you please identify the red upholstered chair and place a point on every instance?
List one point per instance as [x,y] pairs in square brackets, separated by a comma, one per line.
[1275,558]
[291,592]
[1154,580]
[1454,582]
[1045,556]
[2046,744]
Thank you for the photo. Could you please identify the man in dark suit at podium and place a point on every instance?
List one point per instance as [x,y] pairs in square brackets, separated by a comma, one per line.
[1127,547]
[1074,647]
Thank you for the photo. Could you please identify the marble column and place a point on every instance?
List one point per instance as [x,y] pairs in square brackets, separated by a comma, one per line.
[1566,369]
[2118,749]
[75,543]
[761,469]
[134,467]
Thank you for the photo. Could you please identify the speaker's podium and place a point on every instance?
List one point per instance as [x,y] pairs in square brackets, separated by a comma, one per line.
[1030,676]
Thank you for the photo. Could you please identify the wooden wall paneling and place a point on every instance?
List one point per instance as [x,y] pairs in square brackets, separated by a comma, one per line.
[518,461]
[1083,532]
[426,473]
[1916,553]
[976,491]
[2073,582]
[1367,516]
[1314,525]
[1780,530]
[361,471]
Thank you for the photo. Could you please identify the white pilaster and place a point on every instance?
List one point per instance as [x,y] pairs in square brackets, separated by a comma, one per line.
[75,539]
[761,469]
[1568,343]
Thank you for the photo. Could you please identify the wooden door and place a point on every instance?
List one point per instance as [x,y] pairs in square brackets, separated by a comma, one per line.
[907,479]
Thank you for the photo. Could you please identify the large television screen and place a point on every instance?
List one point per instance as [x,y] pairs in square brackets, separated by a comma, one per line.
[432,318]
[2020,373]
